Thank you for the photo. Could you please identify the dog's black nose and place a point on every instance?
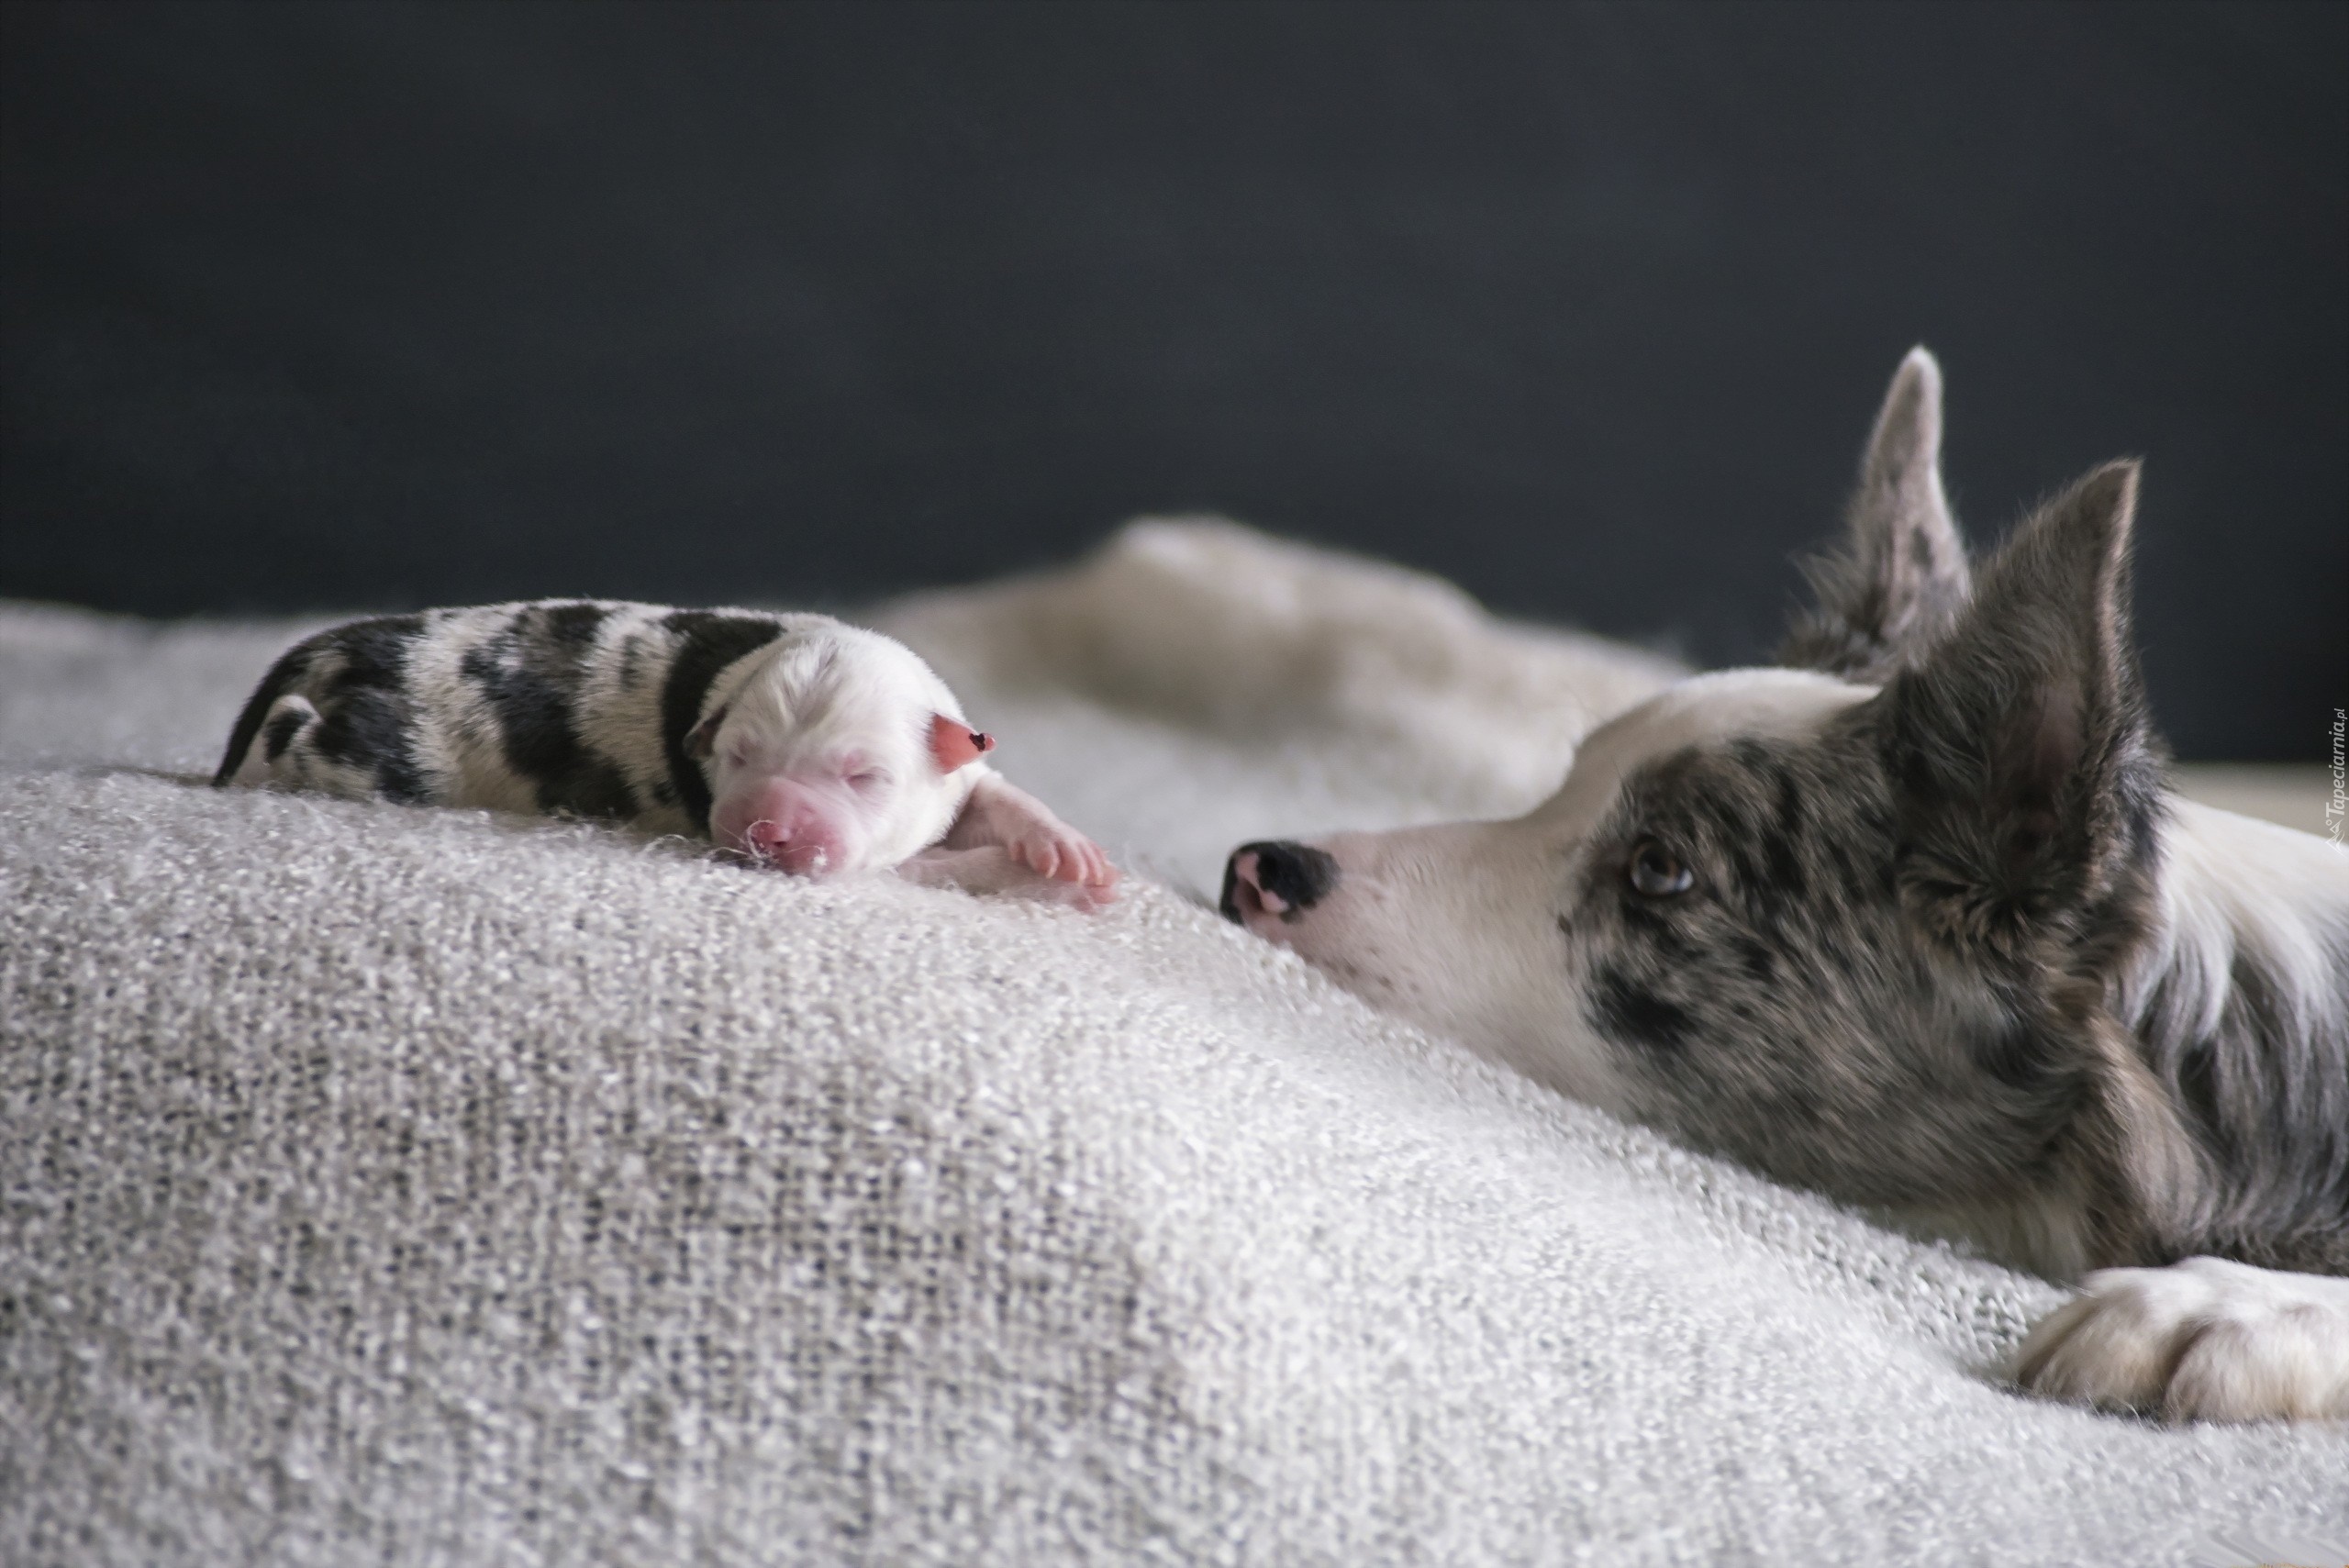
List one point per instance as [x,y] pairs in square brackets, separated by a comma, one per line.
[1276,877]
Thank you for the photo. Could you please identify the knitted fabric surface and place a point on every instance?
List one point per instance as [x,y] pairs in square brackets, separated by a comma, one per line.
[388,1184]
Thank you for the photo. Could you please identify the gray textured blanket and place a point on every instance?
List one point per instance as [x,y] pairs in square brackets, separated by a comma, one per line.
[413,1187]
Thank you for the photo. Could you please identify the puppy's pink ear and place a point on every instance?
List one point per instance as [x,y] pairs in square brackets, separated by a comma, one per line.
[704,739]
[954,743]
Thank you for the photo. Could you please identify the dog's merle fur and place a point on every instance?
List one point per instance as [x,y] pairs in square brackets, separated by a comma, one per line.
[1933,939]
[1881,980]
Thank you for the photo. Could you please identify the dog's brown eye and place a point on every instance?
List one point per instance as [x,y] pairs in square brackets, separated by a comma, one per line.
[1657,871]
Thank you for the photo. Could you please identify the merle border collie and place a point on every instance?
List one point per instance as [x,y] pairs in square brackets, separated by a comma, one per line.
[1912,918]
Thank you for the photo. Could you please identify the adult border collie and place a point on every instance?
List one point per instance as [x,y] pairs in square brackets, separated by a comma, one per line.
[1913,919]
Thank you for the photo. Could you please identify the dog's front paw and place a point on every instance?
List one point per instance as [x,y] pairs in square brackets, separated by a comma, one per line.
[2202,1341]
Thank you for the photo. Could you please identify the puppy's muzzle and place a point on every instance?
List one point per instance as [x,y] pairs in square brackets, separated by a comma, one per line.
[1275,878]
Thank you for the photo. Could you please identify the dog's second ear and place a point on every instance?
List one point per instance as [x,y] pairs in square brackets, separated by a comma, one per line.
[1899,579]
[2018,745]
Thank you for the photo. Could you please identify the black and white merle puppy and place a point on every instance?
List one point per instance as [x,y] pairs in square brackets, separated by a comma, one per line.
[794,741]
[1913,920]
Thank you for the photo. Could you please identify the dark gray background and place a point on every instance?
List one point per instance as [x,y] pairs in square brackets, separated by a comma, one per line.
[1586,306]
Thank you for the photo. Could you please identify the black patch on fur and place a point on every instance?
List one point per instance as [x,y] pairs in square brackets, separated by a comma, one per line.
[708,642]
[1624,1010]
[1757,818]
[1786,872]
[288,669]
[365,717]
[279,732]
[2258,1013]
[1654,920]
[531,674]
[2198,1088]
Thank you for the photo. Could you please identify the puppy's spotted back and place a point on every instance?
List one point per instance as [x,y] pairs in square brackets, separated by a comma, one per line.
[571,708]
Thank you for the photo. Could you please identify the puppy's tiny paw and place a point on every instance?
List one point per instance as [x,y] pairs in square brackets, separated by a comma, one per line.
[2205,1339]
[1065,854]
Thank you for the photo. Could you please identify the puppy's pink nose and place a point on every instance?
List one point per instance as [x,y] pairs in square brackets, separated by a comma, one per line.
[788,842]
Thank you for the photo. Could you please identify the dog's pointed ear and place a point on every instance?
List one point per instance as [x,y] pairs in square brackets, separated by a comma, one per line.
[2019,746]
[1900,578]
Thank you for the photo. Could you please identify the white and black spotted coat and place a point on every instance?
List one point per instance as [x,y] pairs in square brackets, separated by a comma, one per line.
[558,706]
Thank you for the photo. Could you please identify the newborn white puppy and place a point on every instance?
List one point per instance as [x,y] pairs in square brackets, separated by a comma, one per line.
[794,741]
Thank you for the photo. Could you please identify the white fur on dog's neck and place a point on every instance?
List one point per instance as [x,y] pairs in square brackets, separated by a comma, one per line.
[2237,886]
